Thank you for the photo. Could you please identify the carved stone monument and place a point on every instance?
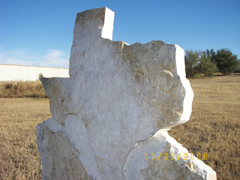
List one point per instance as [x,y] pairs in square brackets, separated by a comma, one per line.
[110,119]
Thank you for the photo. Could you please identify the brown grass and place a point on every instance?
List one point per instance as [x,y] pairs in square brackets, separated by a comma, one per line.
[22,89]
[214,129]
[19,158]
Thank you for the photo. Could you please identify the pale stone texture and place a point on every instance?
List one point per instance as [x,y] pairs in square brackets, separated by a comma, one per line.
[117,105]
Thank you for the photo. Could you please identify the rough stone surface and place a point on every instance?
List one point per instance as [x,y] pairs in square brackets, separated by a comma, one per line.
[117,105]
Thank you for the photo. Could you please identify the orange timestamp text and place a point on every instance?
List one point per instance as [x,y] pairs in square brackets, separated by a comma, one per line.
[172,156]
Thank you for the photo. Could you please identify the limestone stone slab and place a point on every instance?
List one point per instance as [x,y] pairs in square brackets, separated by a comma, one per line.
[117,105]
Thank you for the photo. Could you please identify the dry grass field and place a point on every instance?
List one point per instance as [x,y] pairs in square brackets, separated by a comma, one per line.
[214,128]
[32,89]
[19,158]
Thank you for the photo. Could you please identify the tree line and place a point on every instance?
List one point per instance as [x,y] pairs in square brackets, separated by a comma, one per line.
[209,62]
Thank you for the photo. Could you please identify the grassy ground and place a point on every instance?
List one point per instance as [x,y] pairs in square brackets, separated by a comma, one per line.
[19,158]
[21,89]
[214,129]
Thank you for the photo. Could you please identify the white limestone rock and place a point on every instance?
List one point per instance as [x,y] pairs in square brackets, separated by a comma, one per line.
[117,105]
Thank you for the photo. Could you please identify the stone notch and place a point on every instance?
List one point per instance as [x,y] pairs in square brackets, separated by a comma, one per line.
[117,105]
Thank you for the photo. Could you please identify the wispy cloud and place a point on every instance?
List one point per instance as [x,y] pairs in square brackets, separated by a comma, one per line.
[55,58]
[2,45]
[52,58]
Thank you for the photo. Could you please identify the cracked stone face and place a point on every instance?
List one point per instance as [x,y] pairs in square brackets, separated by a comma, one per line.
[117,105]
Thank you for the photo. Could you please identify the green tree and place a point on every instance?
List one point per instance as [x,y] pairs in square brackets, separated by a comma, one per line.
[206,66]
[226,61]
[212,54]
[199,62]
[191,61]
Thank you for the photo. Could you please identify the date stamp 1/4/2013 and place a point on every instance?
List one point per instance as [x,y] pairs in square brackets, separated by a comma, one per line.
[171,156]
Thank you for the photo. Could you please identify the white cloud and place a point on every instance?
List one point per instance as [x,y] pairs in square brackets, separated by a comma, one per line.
[53,58]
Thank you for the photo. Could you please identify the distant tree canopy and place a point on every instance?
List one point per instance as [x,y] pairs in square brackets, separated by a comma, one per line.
[199,62]
[206,66]
[225,60]
[191,61]
[207,62]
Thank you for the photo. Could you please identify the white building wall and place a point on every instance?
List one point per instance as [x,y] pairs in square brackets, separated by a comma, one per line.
[29,73]
[63,73]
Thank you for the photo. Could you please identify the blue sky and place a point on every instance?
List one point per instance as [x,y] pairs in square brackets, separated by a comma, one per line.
[40,32]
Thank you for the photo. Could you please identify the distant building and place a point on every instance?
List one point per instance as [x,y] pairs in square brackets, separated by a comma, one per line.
[29,73]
